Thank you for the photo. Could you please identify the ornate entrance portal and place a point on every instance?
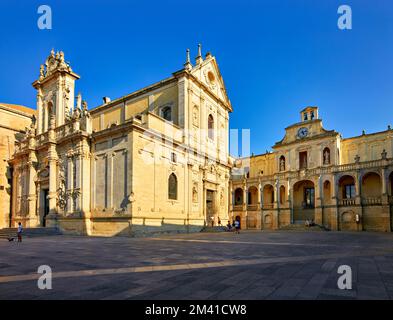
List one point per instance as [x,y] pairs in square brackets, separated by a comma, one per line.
[44,210]
[210,208]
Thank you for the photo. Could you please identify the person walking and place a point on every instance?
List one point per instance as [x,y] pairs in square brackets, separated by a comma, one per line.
[237,226]
[20,230]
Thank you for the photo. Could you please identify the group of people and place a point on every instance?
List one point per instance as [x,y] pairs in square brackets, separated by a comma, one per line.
[235,226]
[310,223]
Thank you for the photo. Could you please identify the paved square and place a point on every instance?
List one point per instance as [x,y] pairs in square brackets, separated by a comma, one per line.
[251,265]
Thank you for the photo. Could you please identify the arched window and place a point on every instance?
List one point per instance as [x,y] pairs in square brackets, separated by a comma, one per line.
[166,113]
[326,155]
[210,126]
[172,187]
[282,163]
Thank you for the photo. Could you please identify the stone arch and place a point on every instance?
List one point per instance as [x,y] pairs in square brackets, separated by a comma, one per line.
[268,195]
[172,187]
[347,216]
[238,196]
[283,195]
[347,221]
[327,192]
[267,221]
[371,185]
[252,195]
[326,156]
[303,200]
[346,187]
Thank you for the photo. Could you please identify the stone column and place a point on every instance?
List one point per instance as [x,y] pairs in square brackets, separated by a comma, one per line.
[318,201]
[69,182]
[276,204]
[231,197]
[358,184]
[40,111]
[334,214]
[85,186]
[52,158]
[244,196]
[384,191]
[32,197]
[245,204]
[290,201]
[385,201]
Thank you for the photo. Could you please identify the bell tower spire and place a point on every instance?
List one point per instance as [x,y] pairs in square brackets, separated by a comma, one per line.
[55,91]
[187,64]
[199,58]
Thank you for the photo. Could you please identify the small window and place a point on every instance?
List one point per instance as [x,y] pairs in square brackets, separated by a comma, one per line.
[305,118]
[173,157]
[166,113]
[172,187]
[210,126]
[303,160]
[309,197]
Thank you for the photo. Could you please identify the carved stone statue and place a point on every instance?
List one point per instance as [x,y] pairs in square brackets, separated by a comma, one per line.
[326,157]
[282,164]
[195,193]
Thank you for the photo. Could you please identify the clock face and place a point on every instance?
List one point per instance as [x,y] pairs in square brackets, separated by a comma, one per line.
[302,132]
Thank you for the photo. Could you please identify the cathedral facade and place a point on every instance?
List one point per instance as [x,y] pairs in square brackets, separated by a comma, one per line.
[314,174]
[154,160]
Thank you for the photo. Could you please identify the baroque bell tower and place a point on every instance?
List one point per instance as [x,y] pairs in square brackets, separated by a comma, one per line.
[55,92]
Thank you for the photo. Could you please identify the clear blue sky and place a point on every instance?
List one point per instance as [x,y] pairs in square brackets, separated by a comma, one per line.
[275,56]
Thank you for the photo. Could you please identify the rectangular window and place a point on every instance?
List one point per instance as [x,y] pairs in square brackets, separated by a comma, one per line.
[309,197]
[349,191]
[303,160]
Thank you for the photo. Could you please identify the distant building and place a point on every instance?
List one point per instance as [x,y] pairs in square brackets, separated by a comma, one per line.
[154,160]
[315,174]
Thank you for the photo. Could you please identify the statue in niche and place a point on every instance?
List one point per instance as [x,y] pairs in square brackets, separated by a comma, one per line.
[195,118]
[326,156]
[282,164]
[195,193]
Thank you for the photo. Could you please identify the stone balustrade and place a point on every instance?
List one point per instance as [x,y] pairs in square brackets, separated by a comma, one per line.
[347,202]
[371,201]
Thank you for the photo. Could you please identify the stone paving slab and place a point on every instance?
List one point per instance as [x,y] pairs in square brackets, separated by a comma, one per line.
[201,266]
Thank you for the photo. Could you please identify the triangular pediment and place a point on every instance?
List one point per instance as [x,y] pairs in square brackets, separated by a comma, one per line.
[303,131]
[208,73]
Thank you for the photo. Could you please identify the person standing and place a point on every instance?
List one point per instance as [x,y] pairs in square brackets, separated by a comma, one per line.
[237,226]
[20,230]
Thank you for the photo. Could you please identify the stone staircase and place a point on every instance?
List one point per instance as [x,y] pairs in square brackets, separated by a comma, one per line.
[214,229]
[303,227]
[7,233]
